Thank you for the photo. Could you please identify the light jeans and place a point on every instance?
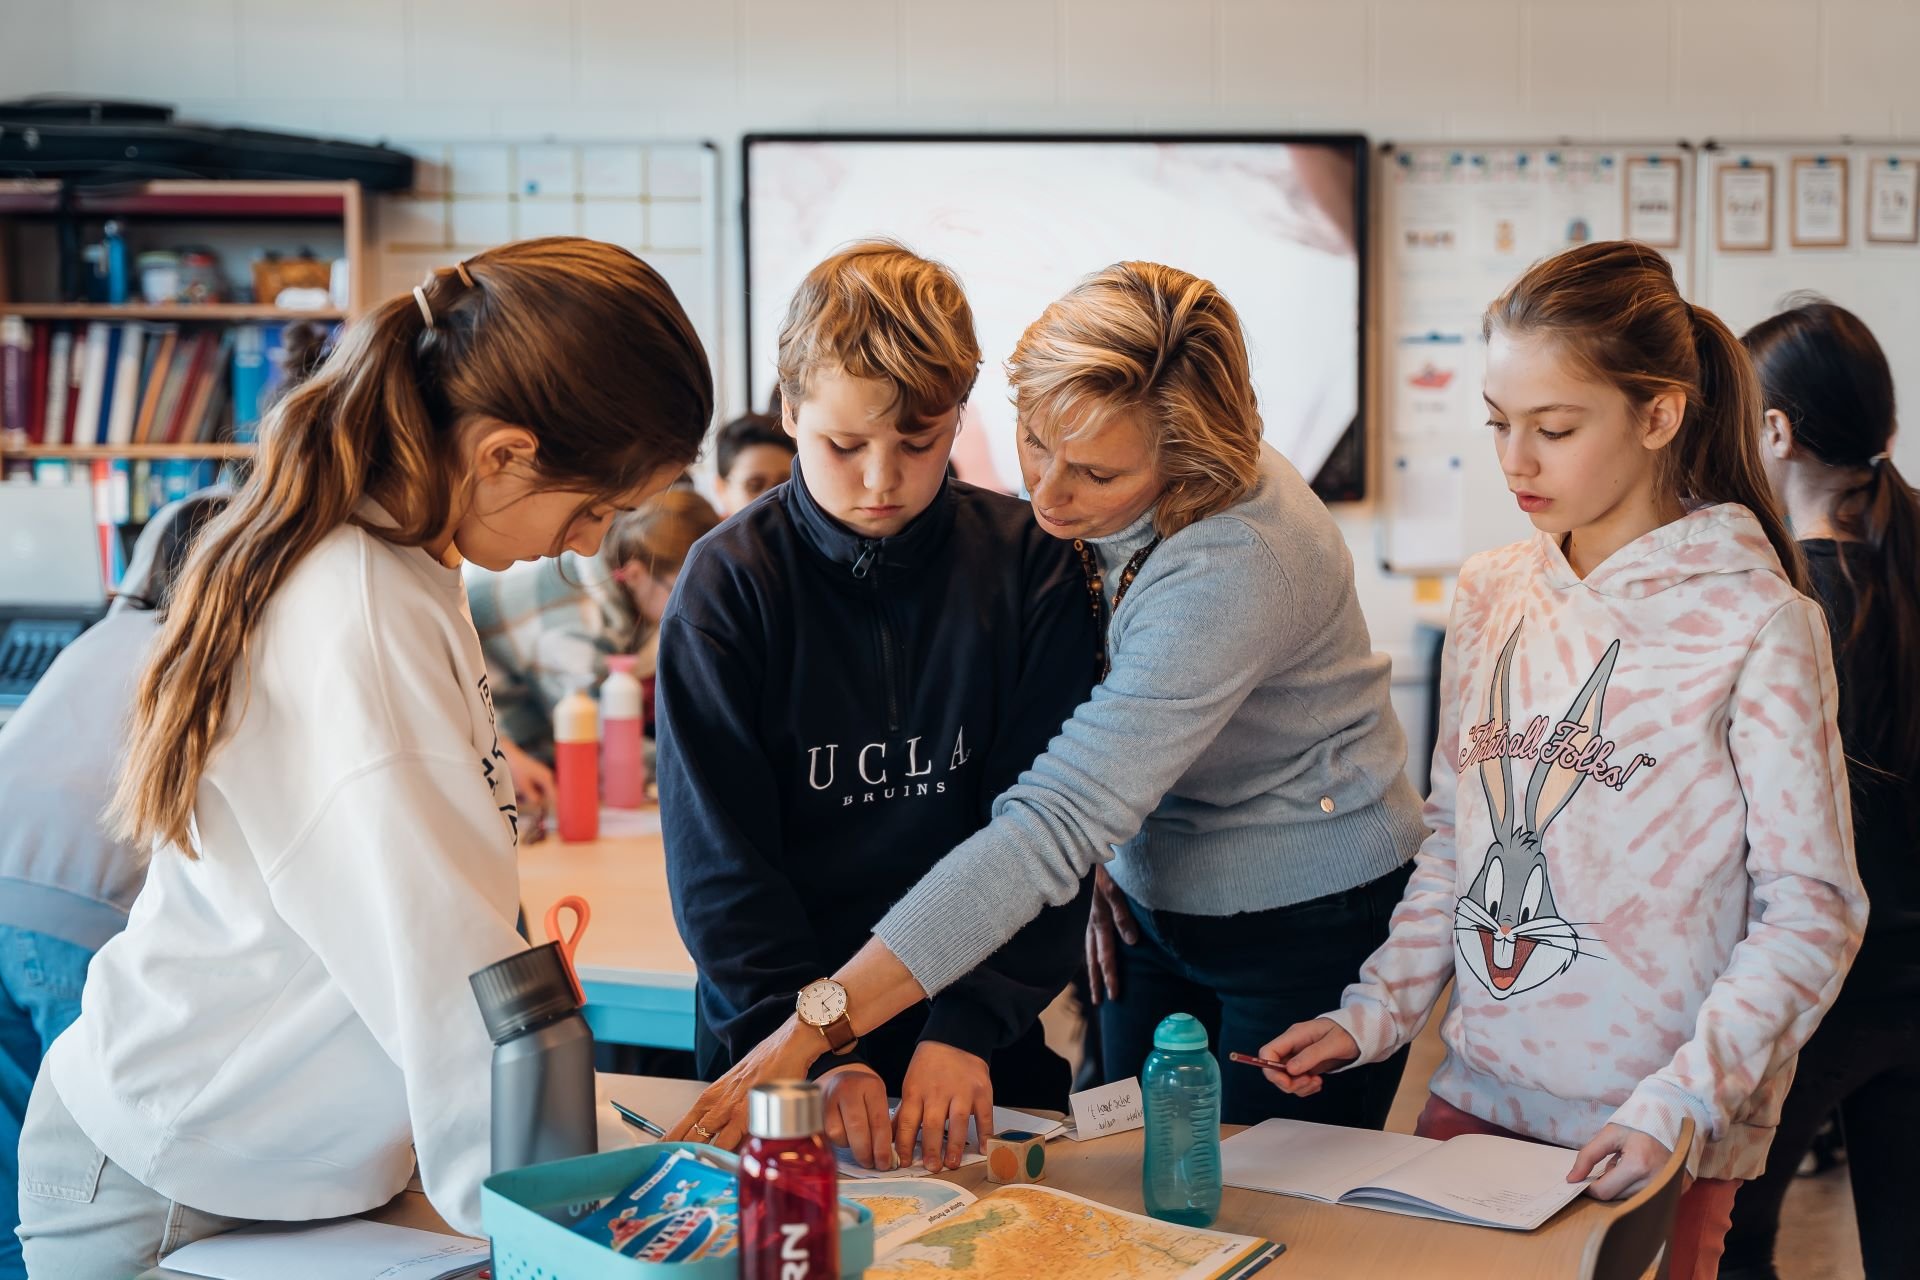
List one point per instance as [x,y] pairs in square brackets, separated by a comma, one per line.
[82,1217]
[40,981]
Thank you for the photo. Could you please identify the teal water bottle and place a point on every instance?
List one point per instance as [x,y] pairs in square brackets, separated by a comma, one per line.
[1181,1088]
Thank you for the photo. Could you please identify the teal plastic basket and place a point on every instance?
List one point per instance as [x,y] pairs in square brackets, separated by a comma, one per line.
[528,1246]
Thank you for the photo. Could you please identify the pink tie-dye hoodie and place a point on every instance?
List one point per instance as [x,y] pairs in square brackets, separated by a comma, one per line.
[1640,869]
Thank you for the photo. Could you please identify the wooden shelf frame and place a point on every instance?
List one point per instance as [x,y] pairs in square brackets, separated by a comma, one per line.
[137,452]
[185,313]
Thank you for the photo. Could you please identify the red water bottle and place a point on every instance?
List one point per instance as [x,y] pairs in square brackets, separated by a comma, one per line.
[789,1214]
[576,766]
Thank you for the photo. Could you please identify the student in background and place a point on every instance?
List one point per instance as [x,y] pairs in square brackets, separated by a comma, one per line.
[850,671]
[1829,425]
[66,882]
[1641,871]
[1240,766]
[751,454]
[286,1021]
[548,626]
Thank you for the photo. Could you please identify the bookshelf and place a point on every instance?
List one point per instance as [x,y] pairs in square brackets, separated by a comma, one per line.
[152,412]
[233,219]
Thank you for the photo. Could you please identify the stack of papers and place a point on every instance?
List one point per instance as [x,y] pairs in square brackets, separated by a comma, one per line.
[344,1249]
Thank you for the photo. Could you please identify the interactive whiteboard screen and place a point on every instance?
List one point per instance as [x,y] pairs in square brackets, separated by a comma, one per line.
[1276,223]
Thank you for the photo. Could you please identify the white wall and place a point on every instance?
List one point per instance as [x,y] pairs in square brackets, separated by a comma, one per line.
[1399,69]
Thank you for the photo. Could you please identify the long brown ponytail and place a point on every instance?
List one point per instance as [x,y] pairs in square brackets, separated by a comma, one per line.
[1614,306]
[1821,366]
[579,342]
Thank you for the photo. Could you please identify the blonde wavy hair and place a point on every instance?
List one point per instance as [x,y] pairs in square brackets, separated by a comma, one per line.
[1164,346]
[880,311]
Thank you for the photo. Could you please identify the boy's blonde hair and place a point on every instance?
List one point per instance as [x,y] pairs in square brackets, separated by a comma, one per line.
[878,310]
[1163,345]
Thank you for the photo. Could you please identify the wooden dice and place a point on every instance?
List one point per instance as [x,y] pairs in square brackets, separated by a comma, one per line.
[1016,1156]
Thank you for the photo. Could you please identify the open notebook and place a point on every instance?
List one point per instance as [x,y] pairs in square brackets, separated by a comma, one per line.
[1483,1181]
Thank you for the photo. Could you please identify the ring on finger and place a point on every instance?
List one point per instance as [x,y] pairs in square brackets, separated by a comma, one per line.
[706,1134]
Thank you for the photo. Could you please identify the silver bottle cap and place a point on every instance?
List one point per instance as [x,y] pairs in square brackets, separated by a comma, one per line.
[786,1109]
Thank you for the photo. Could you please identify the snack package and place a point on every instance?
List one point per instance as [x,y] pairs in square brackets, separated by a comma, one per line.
[681,1211]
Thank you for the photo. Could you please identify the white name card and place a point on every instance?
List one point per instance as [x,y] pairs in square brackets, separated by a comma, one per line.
[1112,1108]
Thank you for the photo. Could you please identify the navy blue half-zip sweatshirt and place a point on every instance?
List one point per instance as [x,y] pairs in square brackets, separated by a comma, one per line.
[836,713]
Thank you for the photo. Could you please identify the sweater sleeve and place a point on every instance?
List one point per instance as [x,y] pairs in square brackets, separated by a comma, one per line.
[739,913]
[385,889]
[1181,671]
[994,1005]
[1400,982]
[1808,908]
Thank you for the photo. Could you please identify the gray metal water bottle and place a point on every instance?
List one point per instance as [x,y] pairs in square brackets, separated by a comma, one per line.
[543,1102]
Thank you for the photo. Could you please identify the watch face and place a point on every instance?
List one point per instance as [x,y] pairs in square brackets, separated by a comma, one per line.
[822,1003]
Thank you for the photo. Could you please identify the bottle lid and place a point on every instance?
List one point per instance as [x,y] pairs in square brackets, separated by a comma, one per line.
[786,1109]
[621,662]
[577,717]
[527,989]
[1180,1033]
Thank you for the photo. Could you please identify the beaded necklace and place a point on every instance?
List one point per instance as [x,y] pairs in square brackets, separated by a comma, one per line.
[1097,593]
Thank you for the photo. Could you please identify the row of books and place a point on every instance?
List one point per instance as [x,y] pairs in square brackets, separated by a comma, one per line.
[132,382]
[126,493]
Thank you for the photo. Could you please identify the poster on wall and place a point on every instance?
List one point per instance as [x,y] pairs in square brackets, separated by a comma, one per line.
[1744,207]
[1430,379]
[1653,201]
[1819,202]
[1893,201]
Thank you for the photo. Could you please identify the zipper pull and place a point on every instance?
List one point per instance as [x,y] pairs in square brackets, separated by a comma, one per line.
[864,565]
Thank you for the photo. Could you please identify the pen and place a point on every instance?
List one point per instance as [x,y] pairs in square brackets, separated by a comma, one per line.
[639,1121]
[1251,1061]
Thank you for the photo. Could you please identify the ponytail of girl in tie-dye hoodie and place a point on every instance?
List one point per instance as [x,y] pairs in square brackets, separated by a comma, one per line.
[1640,869]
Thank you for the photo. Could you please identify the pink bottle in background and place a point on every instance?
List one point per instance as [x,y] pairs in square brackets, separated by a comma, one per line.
[624,769]
[576,766]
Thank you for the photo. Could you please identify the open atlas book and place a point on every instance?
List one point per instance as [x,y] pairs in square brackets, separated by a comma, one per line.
[924,1227]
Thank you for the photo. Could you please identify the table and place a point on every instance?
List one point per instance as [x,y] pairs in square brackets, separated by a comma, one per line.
[635,971]
[1324,1242]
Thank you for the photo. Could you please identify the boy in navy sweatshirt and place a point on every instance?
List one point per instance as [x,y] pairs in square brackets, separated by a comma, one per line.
[850,671]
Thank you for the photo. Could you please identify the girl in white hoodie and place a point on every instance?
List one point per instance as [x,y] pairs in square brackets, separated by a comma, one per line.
[285,1025]
[1640,870]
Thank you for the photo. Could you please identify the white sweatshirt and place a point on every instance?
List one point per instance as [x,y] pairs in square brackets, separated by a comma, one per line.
[1640,874]
[287,1019]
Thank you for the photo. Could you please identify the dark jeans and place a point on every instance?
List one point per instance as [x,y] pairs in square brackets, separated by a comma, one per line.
[1247,978]
[1865,1060]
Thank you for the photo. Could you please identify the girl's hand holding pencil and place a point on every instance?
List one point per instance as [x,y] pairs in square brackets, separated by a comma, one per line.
[1307,1051]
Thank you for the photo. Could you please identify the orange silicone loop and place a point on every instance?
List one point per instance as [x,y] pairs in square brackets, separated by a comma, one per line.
[571,943]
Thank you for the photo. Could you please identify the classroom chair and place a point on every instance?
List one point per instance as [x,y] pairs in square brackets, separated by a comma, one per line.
[1632,1243]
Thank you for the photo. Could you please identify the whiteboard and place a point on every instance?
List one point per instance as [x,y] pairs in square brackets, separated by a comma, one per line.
[1458,223]
[1880,282]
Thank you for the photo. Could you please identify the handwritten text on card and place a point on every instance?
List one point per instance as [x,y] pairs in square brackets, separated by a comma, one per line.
[1112,1108]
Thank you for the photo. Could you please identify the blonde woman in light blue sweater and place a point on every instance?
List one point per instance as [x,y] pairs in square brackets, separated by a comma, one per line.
[1239,769]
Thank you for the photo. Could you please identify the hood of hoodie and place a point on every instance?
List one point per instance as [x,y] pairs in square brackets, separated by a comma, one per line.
[1723,538]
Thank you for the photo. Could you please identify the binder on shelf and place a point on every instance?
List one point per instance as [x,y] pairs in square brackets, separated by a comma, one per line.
[53,428]
[123,405]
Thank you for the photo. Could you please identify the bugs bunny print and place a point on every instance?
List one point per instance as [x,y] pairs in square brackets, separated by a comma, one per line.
[1508,927]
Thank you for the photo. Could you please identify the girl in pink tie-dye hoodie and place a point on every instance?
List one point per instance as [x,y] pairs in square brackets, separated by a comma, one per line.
[1640,869]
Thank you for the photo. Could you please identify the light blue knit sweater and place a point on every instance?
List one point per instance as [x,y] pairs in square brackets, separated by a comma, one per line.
[1242,754]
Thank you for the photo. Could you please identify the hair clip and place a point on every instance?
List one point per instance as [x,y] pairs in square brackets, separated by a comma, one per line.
[420,300]
[1877,459]
[460,269]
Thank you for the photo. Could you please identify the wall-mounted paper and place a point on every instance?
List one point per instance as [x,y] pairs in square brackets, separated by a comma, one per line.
[1819,201]
[1893,201]
[1745,206]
